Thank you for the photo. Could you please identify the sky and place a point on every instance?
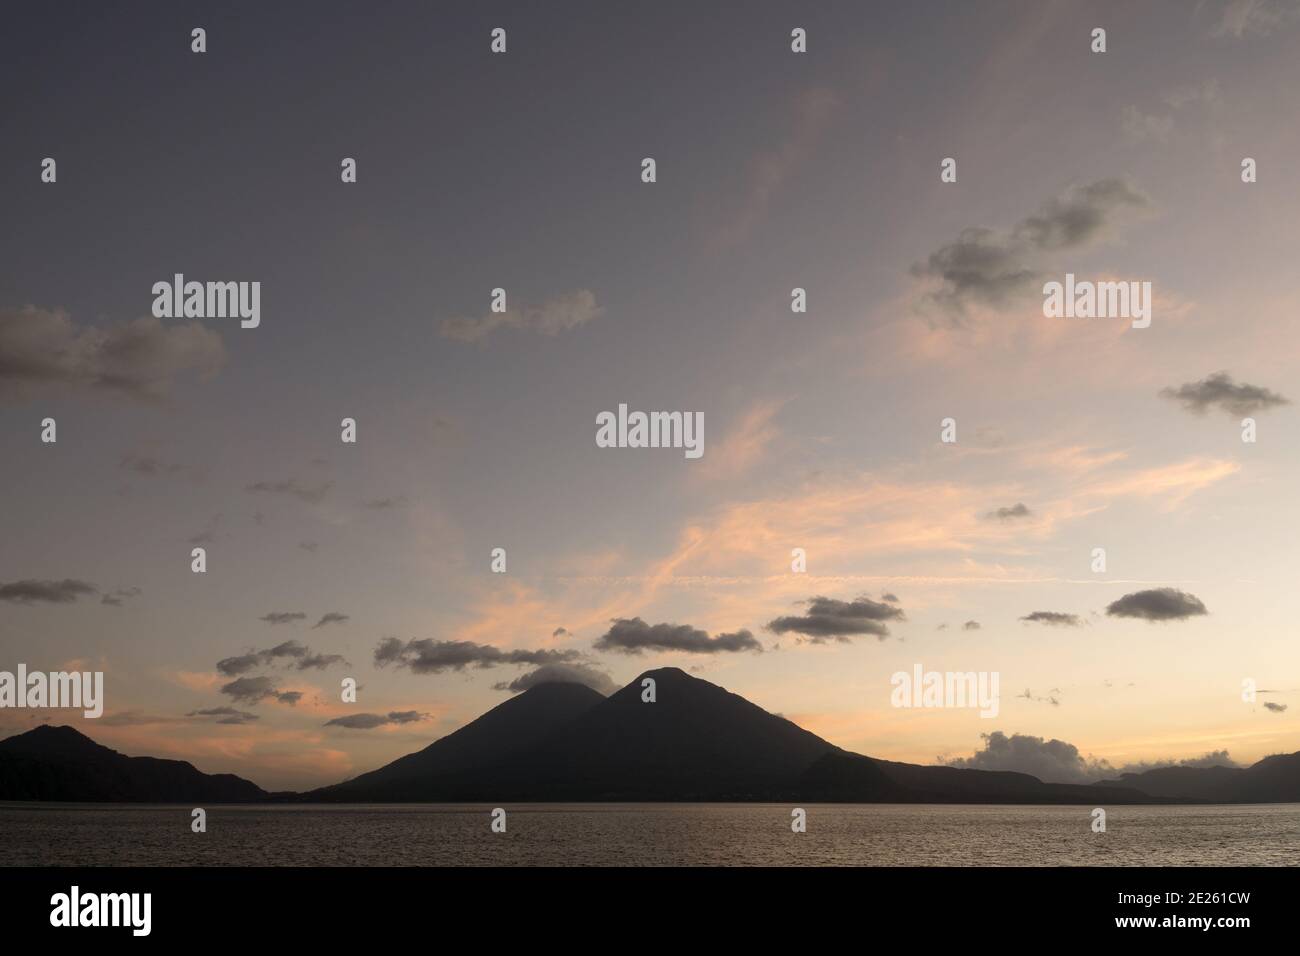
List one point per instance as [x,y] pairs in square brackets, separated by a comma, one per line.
[476,430]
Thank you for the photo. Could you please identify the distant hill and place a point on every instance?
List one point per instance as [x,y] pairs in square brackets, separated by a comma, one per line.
[61,764]
[1274,779]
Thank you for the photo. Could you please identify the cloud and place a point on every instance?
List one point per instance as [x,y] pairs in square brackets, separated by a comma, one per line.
[1241,18]
[828,618]
[29,591]
[302,657]
[1018,510]
[1216,758]
[1220,391]
[745,445]
[771,169]
[991,268]
[583,674]
[308,493]
[43,352]
[1051,698]
[427,656]
[1139,126]
[332,617]
[283,617]
[1052,761]
[1159,604]
[560,314]
[225,715]
[371,721]
[633,635]
[1056,761]
[253,690]
[135,718]
[119,596]
[971,626]
[1054,618]
[385,504]
[1274,707]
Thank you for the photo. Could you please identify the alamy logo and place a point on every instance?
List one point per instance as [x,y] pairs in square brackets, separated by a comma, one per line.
[956,689]
[653,430]
[134,910]
[56,689]
[1098,300]
[179,299]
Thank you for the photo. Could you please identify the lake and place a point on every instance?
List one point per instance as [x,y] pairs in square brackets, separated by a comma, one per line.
[647,834]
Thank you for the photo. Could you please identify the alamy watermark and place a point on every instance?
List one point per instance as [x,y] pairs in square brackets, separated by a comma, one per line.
[651,430]
[74,908]
[954,689]
[56,689]
[1098,300]
[179,299]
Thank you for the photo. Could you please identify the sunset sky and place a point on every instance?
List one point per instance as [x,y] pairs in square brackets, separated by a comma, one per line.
[476,431]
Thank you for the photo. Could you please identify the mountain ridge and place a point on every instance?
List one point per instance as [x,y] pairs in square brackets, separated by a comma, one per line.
[564,742]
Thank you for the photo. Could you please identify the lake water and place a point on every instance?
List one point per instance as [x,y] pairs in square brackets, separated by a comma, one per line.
[648,834]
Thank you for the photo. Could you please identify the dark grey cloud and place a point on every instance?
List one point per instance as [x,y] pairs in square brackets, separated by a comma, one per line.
[283,617]
[240,664]
[971,626]
[1080,215]
[225,715]
[1274,707]
[1221,392]
[30,591]
[1159,604]
[831,619]
[583,674]
[312,494]
[371,721]
[301,656]
[633,635]
[43,352]
[1054,618]
[425,656]
[332,617]
[385,504]
[118,596]
[1018,510]
[889,598]
[987,267]
[253,690]
[290,650]
[979,267]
